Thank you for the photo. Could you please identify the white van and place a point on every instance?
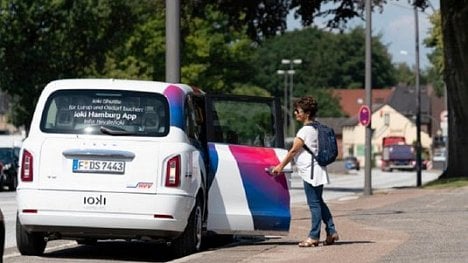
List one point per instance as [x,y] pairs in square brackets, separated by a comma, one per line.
[122,159]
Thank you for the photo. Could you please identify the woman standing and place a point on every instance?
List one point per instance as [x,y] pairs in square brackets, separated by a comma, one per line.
[305,110]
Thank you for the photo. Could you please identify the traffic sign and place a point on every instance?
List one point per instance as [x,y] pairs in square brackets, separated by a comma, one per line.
[364,115]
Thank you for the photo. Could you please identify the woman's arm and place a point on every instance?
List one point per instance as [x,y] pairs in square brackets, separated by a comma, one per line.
[296,147]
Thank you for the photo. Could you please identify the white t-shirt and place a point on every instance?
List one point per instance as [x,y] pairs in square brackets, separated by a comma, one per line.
[302,160]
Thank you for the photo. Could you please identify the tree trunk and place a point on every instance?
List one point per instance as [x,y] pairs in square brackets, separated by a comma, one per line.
[455,34]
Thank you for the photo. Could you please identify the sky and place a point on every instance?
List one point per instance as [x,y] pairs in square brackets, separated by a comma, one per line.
[396,25]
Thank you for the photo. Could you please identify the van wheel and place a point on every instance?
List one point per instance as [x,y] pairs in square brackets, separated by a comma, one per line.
[190,240]
[29,243]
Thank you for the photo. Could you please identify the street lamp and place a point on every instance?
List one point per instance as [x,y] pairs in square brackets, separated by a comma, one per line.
[291,72]
[285,107]
[418,100]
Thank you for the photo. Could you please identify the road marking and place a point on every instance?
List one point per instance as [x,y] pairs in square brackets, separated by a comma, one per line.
[347,198]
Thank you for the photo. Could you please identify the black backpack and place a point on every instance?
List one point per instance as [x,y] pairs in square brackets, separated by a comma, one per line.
[327,147]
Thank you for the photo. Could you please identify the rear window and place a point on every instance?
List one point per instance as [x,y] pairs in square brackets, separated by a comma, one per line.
[106,112]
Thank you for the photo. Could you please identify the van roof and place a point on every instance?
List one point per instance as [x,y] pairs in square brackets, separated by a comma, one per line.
[138,85]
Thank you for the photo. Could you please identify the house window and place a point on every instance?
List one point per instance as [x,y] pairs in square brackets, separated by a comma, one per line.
[387,119]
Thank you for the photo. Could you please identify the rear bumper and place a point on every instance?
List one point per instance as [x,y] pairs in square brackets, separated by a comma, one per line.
[103,215]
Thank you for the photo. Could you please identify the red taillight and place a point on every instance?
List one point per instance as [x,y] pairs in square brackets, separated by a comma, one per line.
[173,172]
[27,167]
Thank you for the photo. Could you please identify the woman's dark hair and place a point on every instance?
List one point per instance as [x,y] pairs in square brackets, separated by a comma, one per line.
[308,104]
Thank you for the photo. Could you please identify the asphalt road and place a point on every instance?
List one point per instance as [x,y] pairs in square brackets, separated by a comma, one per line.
[343,186]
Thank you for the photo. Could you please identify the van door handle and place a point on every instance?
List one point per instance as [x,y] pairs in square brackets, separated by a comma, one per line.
[269,170]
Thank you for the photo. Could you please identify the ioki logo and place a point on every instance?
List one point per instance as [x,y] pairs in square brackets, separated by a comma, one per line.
[94,200]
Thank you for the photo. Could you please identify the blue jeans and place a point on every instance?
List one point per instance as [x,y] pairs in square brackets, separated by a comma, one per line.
[319,211]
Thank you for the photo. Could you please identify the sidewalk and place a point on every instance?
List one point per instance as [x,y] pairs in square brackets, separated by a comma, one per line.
[396,225]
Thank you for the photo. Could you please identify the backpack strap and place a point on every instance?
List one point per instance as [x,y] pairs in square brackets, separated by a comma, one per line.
[312,162]
[310,151]
[313,124]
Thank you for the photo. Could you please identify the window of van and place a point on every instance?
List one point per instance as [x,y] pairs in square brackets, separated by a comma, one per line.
[243,122]
[106,112]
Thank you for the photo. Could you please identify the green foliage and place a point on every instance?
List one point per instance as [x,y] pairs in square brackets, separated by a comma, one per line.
[250,91]
[405,75]
[141,54]
[451,182]
[217,58]
[329,106]
[436,57]
[329,60]
[43,41]
[46,40]
[246,122]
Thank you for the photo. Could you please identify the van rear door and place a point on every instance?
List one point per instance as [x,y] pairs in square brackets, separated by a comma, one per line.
[245,137]
[102,140]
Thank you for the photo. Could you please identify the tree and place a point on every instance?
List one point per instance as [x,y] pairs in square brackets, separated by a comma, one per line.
[455,39]
[405,75]
[214,57]
[436,57]
[329,60]
[42,40]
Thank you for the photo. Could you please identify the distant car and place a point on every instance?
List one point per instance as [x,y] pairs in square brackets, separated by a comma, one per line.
[351,163]
[9,167]
[2,236]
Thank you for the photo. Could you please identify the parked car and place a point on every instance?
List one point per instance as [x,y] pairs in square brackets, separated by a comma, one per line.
[150,161]
[9,167]
[351,163]
[2,236]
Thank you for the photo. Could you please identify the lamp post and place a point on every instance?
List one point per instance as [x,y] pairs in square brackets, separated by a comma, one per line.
[285,107]
[289,99]
[418,100]
[368,89]
[173,41]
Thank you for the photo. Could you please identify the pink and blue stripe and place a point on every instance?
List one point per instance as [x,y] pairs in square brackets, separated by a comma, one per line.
[175,95]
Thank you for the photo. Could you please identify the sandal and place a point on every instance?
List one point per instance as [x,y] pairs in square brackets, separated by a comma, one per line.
[309,242]
[331,239]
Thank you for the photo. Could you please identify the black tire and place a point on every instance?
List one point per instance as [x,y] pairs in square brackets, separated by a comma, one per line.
[29,244]
[190,241]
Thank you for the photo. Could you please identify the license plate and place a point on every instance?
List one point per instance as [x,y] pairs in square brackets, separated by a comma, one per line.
[98,166]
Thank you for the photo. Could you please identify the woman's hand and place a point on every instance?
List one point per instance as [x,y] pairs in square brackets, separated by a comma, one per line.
[296,147]
[277,169]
